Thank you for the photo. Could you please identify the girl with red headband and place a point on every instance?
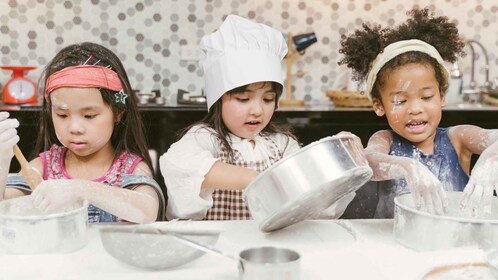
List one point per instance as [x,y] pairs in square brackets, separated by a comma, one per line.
[92,145]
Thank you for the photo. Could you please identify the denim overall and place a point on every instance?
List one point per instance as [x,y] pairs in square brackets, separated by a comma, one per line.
[444,164]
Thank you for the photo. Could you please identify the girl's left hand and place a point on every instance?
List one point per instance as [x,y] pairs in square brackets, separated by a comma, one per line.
[52,195]
[479,190]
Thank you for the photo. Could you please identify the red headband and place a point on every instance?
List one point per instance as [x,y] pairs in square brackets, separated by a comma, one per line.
[83,76]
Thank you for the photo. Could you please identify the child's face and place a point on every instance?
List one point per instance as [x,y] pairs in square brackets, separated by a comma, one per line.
[246,114]
[82,121]
[412,103]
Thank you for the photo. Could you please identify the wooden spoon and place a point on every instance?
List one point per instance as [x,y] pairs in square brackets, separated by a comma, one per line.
[30,174]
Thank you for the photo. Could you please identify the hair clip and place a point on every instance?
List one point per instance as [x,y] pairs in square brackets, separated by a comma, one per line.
[96,62]
[120,97]
[88,59]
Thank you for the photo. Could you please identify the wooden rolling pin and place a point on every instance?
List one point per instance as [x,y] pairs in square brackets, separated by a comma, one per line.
[30,174]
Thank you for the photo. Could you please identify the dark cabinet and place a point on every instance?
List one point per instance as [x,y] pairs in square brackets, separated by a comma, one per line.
[310,124]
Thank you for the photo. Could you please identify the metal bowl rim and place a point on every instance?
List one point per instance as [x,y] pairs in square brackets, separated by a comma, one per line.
[288,157]
[433,216]
[276,248]
[73,212]
[263,224]
[366,169]
[131,229]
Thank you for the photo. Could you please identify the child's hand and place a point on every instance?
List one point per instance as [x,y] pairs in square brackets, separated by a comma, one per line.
[479,190]
[357,139]
[8,137]
[427,191]
[53,195]
[337,208]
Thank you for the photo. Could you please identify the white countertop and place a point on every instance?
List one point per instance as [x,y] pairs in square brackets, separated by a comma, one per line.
[329,249]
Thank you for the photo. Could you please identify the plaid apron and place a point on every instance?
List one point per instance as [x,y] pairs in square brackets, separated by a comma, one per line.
[229,204]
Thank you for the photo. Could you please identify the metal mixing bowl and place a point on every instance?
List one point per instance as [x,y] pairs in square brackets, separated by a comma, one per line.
[423,231]
[26,230]
[268,263]
[145,248]
[303,184]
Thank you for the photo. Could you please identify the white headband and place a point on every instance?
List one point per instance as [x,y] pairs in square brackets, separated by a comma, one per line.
[395,49]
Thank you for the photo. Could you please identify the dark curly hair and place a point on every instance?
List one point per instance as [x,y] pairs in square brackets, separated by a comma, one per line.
[362,47]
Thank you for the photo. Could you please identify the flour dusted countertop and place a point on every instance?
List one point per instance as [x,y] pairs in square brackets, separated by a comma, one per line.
[330,249]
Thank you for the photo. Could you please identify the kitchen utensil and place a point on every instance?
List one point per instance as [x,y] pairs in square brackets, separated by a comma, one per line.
[303,41]
[423,231]
[148,98]
[472,96]
[183,97]
[454,91]
[208,248]
[268,263]
[149,249]
[30,174]
[19,89]
[259,263]
[296,45]
[303,184]
[26,230]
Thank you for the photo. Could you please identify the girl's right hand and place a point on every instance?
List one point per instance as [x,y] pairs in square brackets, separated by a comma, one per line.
[428,192]
[53,195]
[8,137]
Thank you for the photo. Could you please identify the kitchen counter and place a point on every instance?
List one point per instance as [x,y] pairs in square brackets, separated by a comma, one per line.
[329,249]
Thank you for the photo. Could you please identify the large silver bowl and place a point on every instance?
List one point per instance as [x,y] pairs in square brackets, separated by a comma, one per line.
[26,230]
[303,184]
[423,231]
[155,250]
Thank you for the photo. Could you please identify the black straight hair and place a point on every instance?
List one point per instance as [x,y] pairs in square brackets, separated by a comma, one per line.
[128,134]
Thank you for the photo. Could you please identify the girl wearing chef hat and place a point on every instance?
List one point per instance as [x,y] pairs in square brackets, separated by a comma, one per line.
[407,79]
[91,143]
[207,169]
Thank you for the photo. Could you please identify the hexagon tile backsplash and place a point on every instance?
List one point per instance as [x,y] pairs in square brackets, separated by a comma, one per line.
[148,34]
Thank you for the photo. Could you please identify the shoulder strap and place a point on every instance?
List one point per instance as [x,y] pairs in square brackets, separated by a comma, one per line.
[129,181]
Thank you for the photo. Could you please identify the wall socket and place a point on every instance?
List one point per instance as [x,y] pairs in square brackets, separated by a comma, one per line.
[191,52]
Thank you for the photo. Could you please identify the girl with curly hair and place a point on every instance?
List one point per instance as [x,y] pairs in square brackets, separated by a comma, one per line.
[404,70]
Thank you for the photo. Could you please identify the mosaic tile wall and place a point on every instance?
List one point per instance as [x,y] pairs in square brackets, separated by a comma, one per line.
[148,34]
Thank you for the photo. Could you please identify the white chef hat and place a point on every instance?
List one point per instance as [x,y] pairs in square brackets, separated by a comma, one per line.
[241,52]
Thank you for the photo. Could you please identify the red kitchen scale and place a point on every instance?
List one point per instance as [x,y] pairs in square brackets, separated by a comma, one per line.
[19,89]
